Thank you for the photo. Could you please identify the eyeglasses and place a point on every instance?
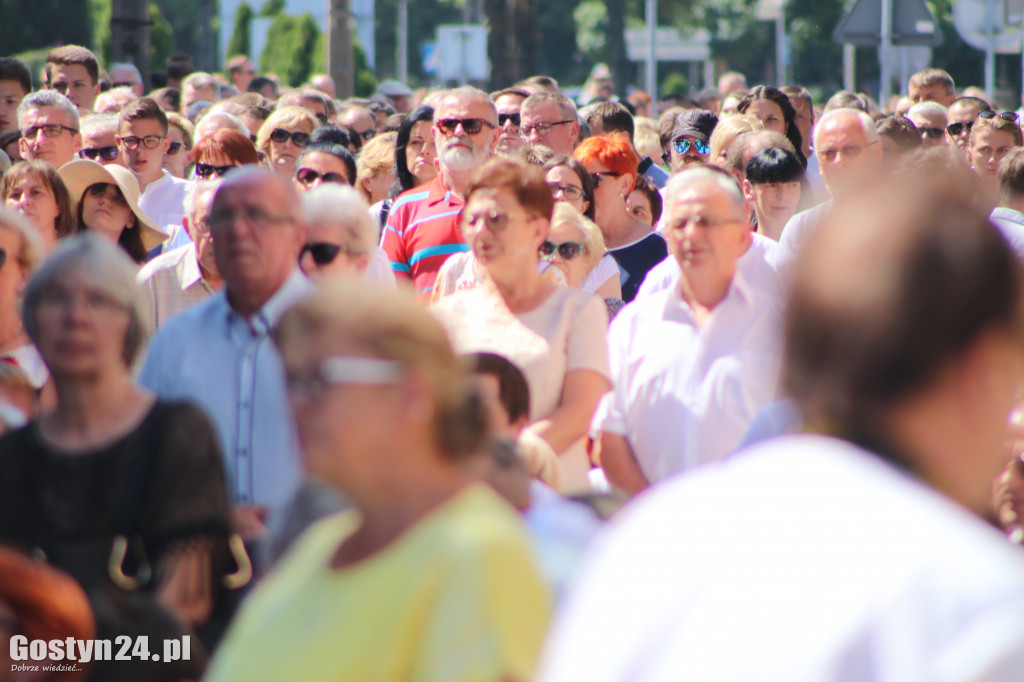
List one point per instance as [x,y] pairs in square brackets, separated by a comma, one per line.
[959,128]
[105,153]
[175,148]
[471,126]
[682,146]
[252,214]
[570,192]
[566,250]
[702,222]
[280,135]
[324,253]
[49,130]
[495,221]
[149,141]
[205,170]
[600,174]
[346,370]
[368,135]
[505,118]
[544,128]
[307,176]
[851,150]
[1005,115]
[933,133]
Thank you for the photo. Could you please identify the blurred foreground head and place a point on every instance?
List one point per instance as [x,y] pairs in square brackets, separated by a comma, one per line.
[904,332]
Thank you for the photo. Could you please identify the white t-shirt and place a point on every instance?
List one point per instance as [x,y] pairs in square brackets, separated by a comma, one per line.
[803,559]
[605,269]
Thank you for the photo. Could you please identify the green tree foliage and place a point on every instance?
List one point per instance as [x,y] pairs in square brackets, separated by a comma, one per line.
[161,37]
[101,12]
[424,18]
[241,33]
[271,8]
[36,24]
[291,48]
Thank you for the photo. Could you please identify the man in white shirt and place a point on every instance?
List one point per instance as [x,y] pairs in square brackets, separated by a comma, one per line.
[692,364]
[142,141]
[863,558]
[219,353]
[180,278]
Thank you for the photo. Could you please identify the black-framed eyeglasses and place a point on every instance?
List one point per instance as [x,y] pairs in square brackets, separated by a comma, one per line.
[471,126]
[544,128]
[323,253]
[959,128]
[933,133]
[570,192]
[601,174]
[566,250]
[307,176]
[1005,115]
[505,118]
[280,136]
[682,146]
[175,148]
[49,130]
[206,170]
[149,141]
[105,153]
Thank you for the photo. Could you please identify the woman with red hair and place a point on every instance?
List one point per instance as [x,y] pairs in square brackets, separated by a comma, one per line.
[218,153]
[630,241]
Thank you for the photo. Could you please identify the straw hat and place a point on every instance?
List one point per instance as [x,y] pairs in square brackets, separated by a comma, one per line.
[81,174]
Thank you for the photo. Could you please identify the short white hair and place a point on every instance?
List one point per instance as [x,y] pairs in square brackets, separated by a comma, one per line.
[49,98]
[867,124]
[927,109]
[211,123]
[195,192]
[593,241]
[123,66]
[99,123]
[344,206]
[696,174]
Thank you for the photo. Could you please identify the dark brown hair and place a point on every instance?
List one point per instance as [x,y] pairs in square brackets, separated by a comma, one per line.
[65,224]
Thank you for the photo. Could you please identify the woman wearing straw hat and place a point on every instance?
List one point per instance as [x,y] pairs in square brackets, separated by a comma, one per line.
[107,199]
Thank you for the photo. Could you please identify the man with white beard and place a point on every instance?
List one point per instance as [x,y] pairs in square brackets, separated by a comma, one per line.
[423,226]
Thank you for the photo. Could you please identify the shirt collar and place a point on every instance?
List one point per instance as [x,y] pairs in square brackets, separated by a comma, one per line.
[438,192]
[189,268]
[1008,214]
[294,289]
[165,178]
[739,292]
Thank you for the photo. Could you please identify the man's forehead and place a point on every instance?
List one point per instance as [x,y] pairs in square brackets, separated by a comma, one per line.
[537,110]
[698,195]
[457,104]
[963,111]
[45,115]
[847,129]
[507,103]
[70,72]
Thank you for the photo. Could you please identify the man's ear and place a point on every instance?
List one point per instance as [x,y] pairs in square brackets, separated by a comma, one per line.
[748,191]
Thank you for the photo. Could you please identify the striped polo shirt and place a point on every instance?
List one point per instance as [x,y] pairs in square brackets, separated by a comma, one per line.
[422,232]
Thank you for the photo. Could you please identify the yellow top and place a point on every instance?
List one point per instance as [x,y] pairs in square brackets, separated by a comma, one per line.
[456,598]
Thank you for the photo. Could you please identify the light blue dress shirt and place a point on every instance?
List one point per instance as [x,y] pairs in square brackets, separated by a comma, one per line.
[229,366]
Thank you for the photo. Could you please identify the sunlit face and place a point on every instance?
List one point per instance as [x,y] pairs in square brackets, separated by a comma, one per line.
[691,156]
[146,163]
[774,203]
[56,150]
[988,147]
[846,154]
[575,270]
[12,276]
[563,132]
[965,113]
[510,139]
[283,155]
[932,127]
[73,81]
[106,212]
[11,95]
[565,177]
[930,93]
[33,198]
[804,119]
[459,150]
[610,193]
[769,113]
[345,261]
[322,163]
[500,232]
[420,152]
[639,206]
[199,231]
[96,138]
[707,232]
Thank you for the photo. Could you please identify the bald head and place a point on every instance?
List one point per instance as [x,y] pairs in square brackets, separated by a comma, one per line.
[848,149]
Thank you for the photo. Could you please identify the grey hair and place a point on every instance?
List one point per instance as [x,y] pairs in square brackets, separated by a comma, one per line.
[49,98]
[195,192]
[344,206]
[689,176]
[100,123]
[124,66]
[593,240]
[210,121]
[867,124]
[565,105]
[927,109]
[113,273]
[31,242]
[470,92]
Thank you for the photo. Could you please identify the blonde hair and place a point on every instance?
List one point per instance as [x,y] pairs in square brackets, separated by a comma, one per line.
[188,131]
[646,138]
[728,129]
[376,158]
[593,240]
[31,252]
[285,117]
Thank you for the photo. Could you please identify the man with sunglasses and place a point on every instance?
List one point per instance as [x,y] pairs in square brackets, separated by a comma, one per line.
[142,142]
[423,226]
[49,126]
[359,119]
[99,139]
[509,103]
[960,117]
[930,119]
[690,138]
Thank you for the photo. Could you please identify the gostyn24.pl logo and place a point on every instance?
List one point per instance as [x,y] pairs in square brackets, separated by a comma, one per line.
[70,650]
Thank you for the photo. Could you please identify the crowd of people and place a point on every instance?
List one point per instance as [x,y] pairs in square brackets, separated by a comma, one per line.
[493,387]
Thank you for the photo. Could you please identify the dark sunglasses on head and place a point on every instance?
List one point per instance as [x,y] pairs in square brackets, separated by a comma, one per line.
[934,133]
[959,128]
[205,170]
[280,135]
[323,253]
[105,153]
[307,176]
[505,118]
[1005,115]
[175,148]
[565,250]
[472,126]
[682,146]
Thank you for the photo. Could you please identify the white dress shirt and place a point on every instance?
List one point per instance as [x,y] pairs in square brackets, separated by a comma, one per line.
[228,365]
[684,395]
[164,202]
[1011,224]
[803,559]
[796,232]
[757,265]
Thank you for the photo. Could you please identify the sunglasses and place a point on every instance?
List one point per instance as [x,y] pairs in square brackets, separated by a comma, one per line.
[1005,115]
[566,250]
[323,253]
[471,126]
[682,146]
[600,174]
[307,176]
[280,135]
[505,118]
[175,148]
[105,153]
[959,128]
[205,170]
[149,141]
[933,133]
